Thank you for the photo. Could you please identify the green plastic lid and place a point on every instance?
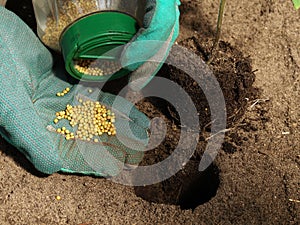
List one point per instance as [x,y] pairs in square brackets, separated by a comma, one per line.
[98,38]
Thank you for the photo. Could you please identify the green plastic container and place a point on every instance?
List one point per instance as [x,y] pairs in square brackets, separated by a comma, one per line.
[99,35]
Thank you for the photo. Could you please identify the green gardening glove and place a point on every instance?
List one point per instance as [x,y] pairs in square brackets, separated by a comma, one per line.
[28,104]
[152,42]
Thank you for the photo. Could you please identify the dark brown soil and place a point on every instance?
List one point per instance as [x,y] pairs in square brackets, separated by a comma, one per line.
[255,178]
[235,77]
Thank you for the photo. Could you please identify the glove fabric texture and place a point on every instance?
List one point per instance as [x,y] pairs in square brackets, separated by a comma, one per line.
[28,104]
[147,51]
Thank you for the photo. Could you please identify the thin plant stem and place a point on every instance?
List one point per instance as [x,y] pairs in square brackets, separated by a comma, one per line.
[218,31]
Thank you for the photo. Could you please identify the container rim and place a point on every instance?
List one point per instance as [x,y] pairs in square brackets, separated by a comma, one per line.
[93,36]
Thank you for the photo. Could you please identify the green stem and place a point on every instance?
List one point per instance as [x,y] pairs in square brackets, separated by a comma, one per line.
[218,32]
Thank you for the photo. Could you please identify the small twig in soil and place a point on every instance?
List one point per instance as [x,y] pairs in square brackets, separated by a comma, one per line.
[294,200]
[221,131]
[172,113]
[236,113]
[257,101]
[207,125]
[263,152]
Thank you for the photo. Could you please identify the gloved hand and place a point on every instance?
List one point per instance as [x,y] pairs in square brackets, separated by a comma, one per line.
[152,43]
[28,104]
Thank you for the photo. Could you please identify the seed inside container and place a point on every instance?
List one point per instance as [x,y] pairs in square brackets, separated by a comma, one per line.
[69,11]
[96,67]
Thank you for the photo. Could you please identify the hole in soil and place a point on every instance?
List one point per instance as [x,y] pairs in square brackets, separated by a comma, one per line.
[189,188]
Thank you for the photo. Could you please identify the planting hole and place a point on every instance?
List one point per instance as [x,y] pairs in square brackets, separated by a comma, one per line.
[189,188]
